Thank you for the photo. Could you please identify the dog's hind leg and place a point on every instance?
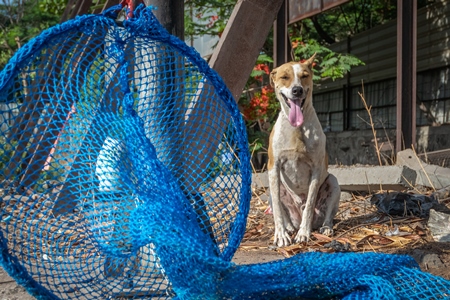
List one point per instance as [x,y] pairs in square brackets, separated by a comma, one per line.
[329,196]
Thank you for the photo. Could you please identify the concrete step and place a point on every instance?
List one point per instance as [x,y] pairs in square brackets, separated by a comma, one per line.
[427,175]
[364,178]
[408,173]
[374,178]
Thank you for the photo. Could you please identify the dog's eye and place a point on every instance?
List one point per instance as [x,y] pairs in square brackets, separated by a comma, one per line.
[305,75]
[284,77]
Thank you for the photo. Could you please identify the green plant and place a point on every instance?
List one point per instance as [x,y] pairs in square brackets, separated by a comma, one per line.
[259,105]
[22,20]
[330,64]
[206,17]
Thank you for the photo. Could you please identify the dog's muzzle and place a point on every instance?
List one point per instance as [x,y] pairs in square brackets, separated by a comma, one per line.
[287,100]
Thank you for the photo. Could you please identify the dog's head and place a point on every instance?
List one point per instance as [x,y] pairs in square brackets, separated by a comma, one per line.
[293,85]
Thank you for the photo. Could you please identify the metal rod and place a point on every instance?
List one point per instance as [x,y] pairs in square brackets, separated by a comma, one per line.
[406,73]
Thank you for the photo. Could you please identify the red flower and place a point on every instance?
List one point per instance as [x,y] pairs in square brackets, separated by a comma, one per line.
[266,90]
[259,107]
[262,67]
[212,21]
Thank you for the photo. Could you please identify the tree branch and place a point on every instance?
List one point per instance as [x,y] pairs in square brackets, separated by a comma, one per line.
[346,20]
[322,32]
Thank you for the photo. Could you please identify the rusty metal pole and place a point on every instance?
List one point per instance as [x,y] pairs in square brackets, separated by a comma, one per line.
[406,73]
[170,13]
[281,46]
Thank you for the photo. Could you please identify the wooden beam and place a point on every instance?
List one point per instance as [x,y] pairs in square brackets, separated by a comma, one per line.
[24,126]
[242,40]
[58,113]
[75,8]
[233,59]
[77,173]
[108,4]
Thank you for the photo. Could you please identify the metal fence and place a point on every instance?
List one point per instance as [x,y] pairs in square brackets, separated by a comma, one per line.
[338,103]
[439,158]
[343,109]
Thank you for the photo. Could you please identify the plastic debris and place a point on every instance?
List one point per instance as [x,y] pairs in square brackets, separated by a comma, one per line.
[338,246]
[403,204]
[393,232]
[439,225]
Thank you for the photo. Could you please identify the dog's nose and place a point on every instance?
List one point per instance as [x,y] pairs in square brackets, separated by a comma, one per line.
[297,91]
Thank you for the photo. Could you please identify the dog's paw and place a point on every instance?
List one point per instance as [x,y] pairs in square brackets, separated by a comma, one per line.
[282,238]
[326,230]
[302,235]
[290,228]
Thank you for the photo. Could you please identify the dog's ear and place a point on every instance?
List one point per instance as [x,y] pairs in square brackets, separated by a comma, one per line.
[310,61]
[272,77]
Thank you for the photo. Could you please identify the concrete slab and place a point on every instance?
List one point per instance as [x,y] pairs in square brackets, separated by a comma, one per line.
[406,174]
[373,178]
[260,180]
[427,175]
[361,178]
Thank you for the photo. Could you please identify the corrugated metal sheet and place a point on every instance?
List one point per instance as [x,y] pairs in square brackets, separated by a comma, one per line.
[433,37]
[302,9]
[378,47]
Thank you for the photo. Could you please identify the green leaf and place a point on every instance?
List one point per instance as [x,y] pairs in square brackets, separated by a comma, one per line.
[256,73]
[264,58]
[329,62]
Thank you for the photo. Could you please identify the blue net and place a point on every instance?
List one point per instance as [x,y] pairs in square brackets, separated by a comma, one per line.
[125,175]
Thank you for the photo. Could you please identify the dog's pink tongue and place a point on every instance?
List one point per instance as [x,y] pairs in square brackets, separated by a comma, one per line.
[295,113]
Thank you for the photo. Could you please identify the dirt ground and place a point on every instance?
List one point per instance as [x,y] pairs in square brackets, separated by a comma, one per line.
[10,290]
[358,228]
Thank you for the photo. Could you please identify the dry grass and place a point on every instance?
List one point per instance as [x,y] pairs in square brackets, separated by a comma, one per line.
[358,228]
[372,125]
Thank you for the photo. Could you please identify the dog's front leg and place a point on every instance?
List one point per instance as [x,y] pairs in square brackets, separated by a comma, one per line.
[281,237]
[304,231]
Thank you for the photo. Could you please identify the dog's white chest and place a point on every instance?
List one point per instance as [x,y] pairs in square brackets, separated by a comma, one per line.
[299,152]
[296,174]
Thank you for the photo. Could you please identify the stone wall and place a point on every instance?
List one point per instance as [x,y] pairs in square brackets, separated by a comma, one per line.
[358,147]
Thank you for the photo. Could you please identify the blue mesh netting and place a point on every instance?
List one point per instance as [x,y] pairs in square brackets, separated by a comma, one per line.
[125,174]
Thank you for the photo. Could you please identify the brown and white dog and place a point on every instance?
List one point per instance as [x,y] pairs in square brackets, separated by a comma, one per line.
[304,195]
